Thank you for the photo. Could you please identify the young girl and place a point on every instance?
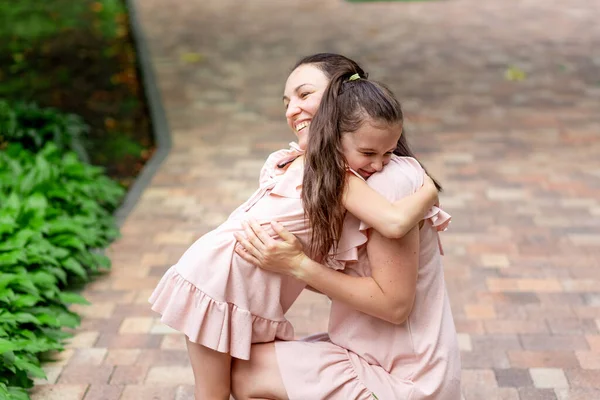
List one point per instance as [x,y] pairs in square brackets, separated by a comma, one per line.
[391,332]
[221,302]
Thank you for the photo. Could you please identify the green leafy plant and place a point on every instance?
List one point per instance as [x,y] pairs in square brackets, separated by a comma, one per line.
[32,126]
[55,211]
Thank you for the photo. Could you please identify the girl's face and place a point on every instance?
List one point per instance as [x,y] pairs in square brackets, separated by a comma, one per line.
[369,149]
[303,92]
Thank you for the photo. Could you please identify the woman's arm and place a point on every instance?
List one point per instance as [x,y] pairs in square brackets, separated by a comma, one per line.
[392,220]
[388,294]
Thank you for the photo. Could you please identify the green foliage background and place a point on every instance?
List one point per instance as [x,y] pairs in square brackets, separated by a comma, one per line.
[55,216]
[78,56]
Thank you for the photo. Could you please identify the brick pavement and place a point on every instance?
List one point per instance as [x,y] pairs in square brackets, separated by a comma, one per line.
[520,161]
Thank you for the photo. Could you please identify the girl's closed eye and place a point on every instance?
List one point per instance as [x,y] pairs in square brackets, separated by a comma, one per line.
[304,95]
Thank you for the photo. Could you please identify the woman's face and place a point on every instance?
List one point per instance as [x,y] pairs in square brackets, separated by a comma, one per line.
[370,147]
[302,95]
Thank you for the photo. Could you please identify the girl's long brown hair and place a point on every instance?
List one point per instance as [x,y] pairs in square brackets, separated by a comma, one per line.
[344,107]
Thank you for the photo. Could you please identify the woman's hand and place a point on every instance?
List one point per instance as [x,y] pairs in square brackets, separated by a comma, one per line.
[258,248]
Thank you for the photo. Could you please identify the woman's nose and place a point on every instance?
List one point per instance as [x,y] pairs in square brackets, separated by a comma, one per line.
[292,109]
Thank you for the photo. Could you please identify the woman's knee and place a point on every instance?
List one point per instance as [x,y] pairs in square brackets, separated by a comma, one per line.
[258,377]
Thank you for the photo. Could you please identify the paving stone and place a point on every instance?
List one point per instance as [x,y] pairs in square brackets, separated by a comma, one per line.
[136,325]
[93,356]
[513,377]
[122,356]
[154,392]
[577,394]
[583,378]
[80,374]
[58,392]
[544,378]
[83,340]
[537,394]
[129,374]
[173,342]
[163,357]
[588,359]
[104,392]
[186,392]
[128,341]
[542,359]
[170,375]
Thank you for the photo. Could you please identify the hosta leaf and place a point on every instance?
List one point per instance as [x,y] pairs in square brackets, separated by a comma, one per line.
[65,226]
[43,279]
[72,298]
[68,241]
[28,182]
[11,257]
[59,273]
[26,285]
[16,393]
[6,345]
[7,224]
[71,265]
[25,300]
[59,253]
[36,201]
[24,318]
[48,319]
[6,279]
[69,320]
[18,241]
[7,296]
[30,367]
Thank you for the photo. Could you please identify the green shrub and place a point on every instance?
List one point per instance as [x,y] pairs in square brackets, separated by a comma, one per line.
[55,211]
[33,127]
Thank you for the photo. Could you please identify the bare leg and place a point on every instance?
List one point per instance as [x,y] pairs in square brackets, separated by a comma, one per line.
[212,372]
[258,378]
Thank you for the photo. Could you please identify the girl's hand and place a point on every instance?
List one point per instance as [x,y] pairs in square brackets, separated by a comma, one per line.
[258,248]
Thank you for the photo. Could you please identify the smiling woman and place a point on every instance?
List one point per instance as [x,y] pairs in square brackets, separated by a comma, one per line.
[391,330]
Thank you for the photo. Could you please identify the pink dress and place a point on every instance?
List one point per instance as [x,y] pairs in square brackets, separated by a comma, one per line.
[221,301]
[364,356]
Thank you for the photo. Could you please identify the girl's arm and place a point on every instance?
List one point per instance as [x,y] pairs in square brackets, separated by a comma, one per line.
[392,220]
[388,294]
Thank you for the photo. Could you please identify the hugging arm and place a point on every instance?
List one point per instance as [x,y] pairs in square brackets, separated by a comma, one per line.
[387,294]
[392,220]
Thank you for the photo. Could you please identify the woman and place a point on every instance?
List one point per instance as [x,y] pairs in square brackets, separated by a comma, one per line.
[391,332]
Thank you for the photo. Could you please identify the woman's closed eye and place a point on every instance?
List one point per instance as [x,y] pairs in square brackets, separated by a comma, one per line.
[304,95]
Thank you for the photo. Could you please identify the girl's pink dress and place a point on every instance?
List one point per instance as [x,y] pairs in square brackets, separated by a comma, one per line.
[363,356]
[223,302]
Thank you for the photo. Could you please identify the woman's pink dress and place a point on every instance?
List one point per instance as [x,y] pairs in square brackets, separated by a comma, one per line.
[364,356]
[221,301]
